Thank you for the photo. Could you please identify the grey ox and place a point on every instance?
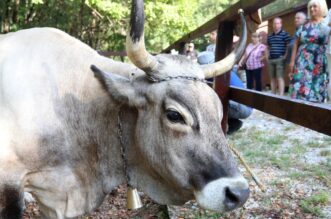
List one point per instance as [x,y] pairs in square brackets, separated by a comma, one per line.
[59,123]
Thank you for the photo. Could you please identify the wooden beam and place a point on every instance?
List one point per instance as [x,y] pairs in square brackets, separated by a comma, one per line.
[230,14]
[287,11]
[310,115]
[224,47]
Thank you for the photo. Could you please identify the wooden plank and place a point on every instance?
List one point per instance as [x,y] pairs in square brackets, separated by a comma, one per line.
[310,115]
[282,7]
[231,14]
[285,12]
[224,47]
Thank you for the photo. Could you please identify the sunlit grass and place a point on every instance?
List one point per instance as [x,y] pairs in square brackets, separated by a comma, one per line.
[314,203]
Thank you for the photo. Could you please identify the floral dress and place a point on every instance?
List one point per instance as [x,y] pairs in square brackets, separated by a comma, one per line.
[310,76]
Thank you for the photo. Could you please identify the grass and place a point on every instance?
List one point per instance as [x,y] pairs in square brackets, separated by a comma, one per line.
[295,141]
[320,172]
[314,203]
[313,144]
[266,202]
[275,140]
[325,153]
[318,143]
[201,214]
[297,149]
[297,175]
[289,128]
[265,149]
[257,146]
[163,212]
[327,139]
[282,162]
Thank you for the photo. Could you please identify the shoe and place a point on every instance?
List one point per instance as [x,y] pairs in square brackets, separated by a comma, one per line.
[234,125]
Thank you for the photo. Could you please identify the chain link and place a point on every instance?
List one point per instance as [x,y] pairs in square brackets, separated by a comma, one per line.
[179,77]
[123,154]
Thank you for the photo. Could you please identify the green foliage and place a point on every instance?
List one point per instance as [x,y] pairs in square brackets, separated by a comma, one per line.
[313,203]
[209,8]
[103,23]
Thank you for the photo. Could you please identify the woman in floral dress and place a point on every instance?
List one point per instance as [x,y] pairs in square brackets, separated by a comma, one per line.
[309,76]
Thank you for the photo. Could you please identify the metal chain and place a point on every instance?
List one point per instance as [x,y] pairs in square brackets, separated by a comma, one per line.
[124,158]
[179,77]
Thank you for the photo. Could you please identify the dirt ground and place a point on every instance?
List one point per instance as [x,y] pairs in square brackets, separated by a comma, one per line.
[294,164]
[114,206]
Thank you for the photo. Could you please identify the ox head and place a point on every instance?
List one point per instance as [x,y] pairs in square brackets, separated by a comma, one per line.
[179,151]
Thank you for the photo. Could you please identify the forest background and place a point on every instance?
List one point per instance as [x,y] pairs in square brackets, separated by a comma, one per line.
[103,24]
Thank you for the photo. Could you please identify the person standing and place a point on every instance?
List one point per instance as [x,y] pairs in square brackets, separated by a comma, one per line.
[299,20]
[277,44]
[309,76]
[327,22]
[212,39]
[191,53]
[253,58]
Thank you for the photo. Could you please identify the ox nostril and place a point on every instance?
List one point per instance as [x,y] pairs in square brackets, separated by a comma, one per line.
[235,197]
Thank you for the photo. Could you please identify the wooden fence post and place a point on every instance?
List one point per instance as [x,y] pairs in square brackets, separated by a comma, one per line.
[224,47]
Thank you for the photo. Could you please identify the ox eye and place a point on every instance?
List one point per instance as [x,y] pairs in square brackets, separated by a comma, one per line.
[174,116]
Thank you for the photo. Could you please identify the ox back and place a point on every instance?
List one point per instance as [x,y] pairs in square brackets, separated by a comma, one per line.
[56,124]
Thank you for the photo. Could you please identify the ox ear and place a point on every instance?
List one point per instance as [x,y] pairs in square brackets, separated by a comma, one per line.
[118,87]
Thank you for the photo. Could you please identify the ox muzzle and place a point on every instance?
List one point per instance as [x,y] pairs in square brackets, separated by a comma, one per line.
[224,194]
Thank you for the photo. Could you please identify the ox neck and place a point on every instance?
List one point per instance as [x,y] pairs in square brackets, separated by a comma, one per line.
[126,124]
[122,148]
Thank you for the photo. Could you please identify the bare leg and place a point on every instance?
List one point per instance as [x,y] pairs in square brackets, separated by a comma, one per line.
[273,85]
[281,86]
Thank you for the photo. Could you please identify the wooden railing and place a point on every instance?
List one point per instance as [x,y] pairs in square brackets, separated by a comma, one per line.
[310,115]
[314,116]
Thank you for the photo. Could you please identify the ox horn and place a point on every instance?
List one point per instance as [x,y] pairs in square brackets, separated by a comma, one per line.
[226,64]
[135,42]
